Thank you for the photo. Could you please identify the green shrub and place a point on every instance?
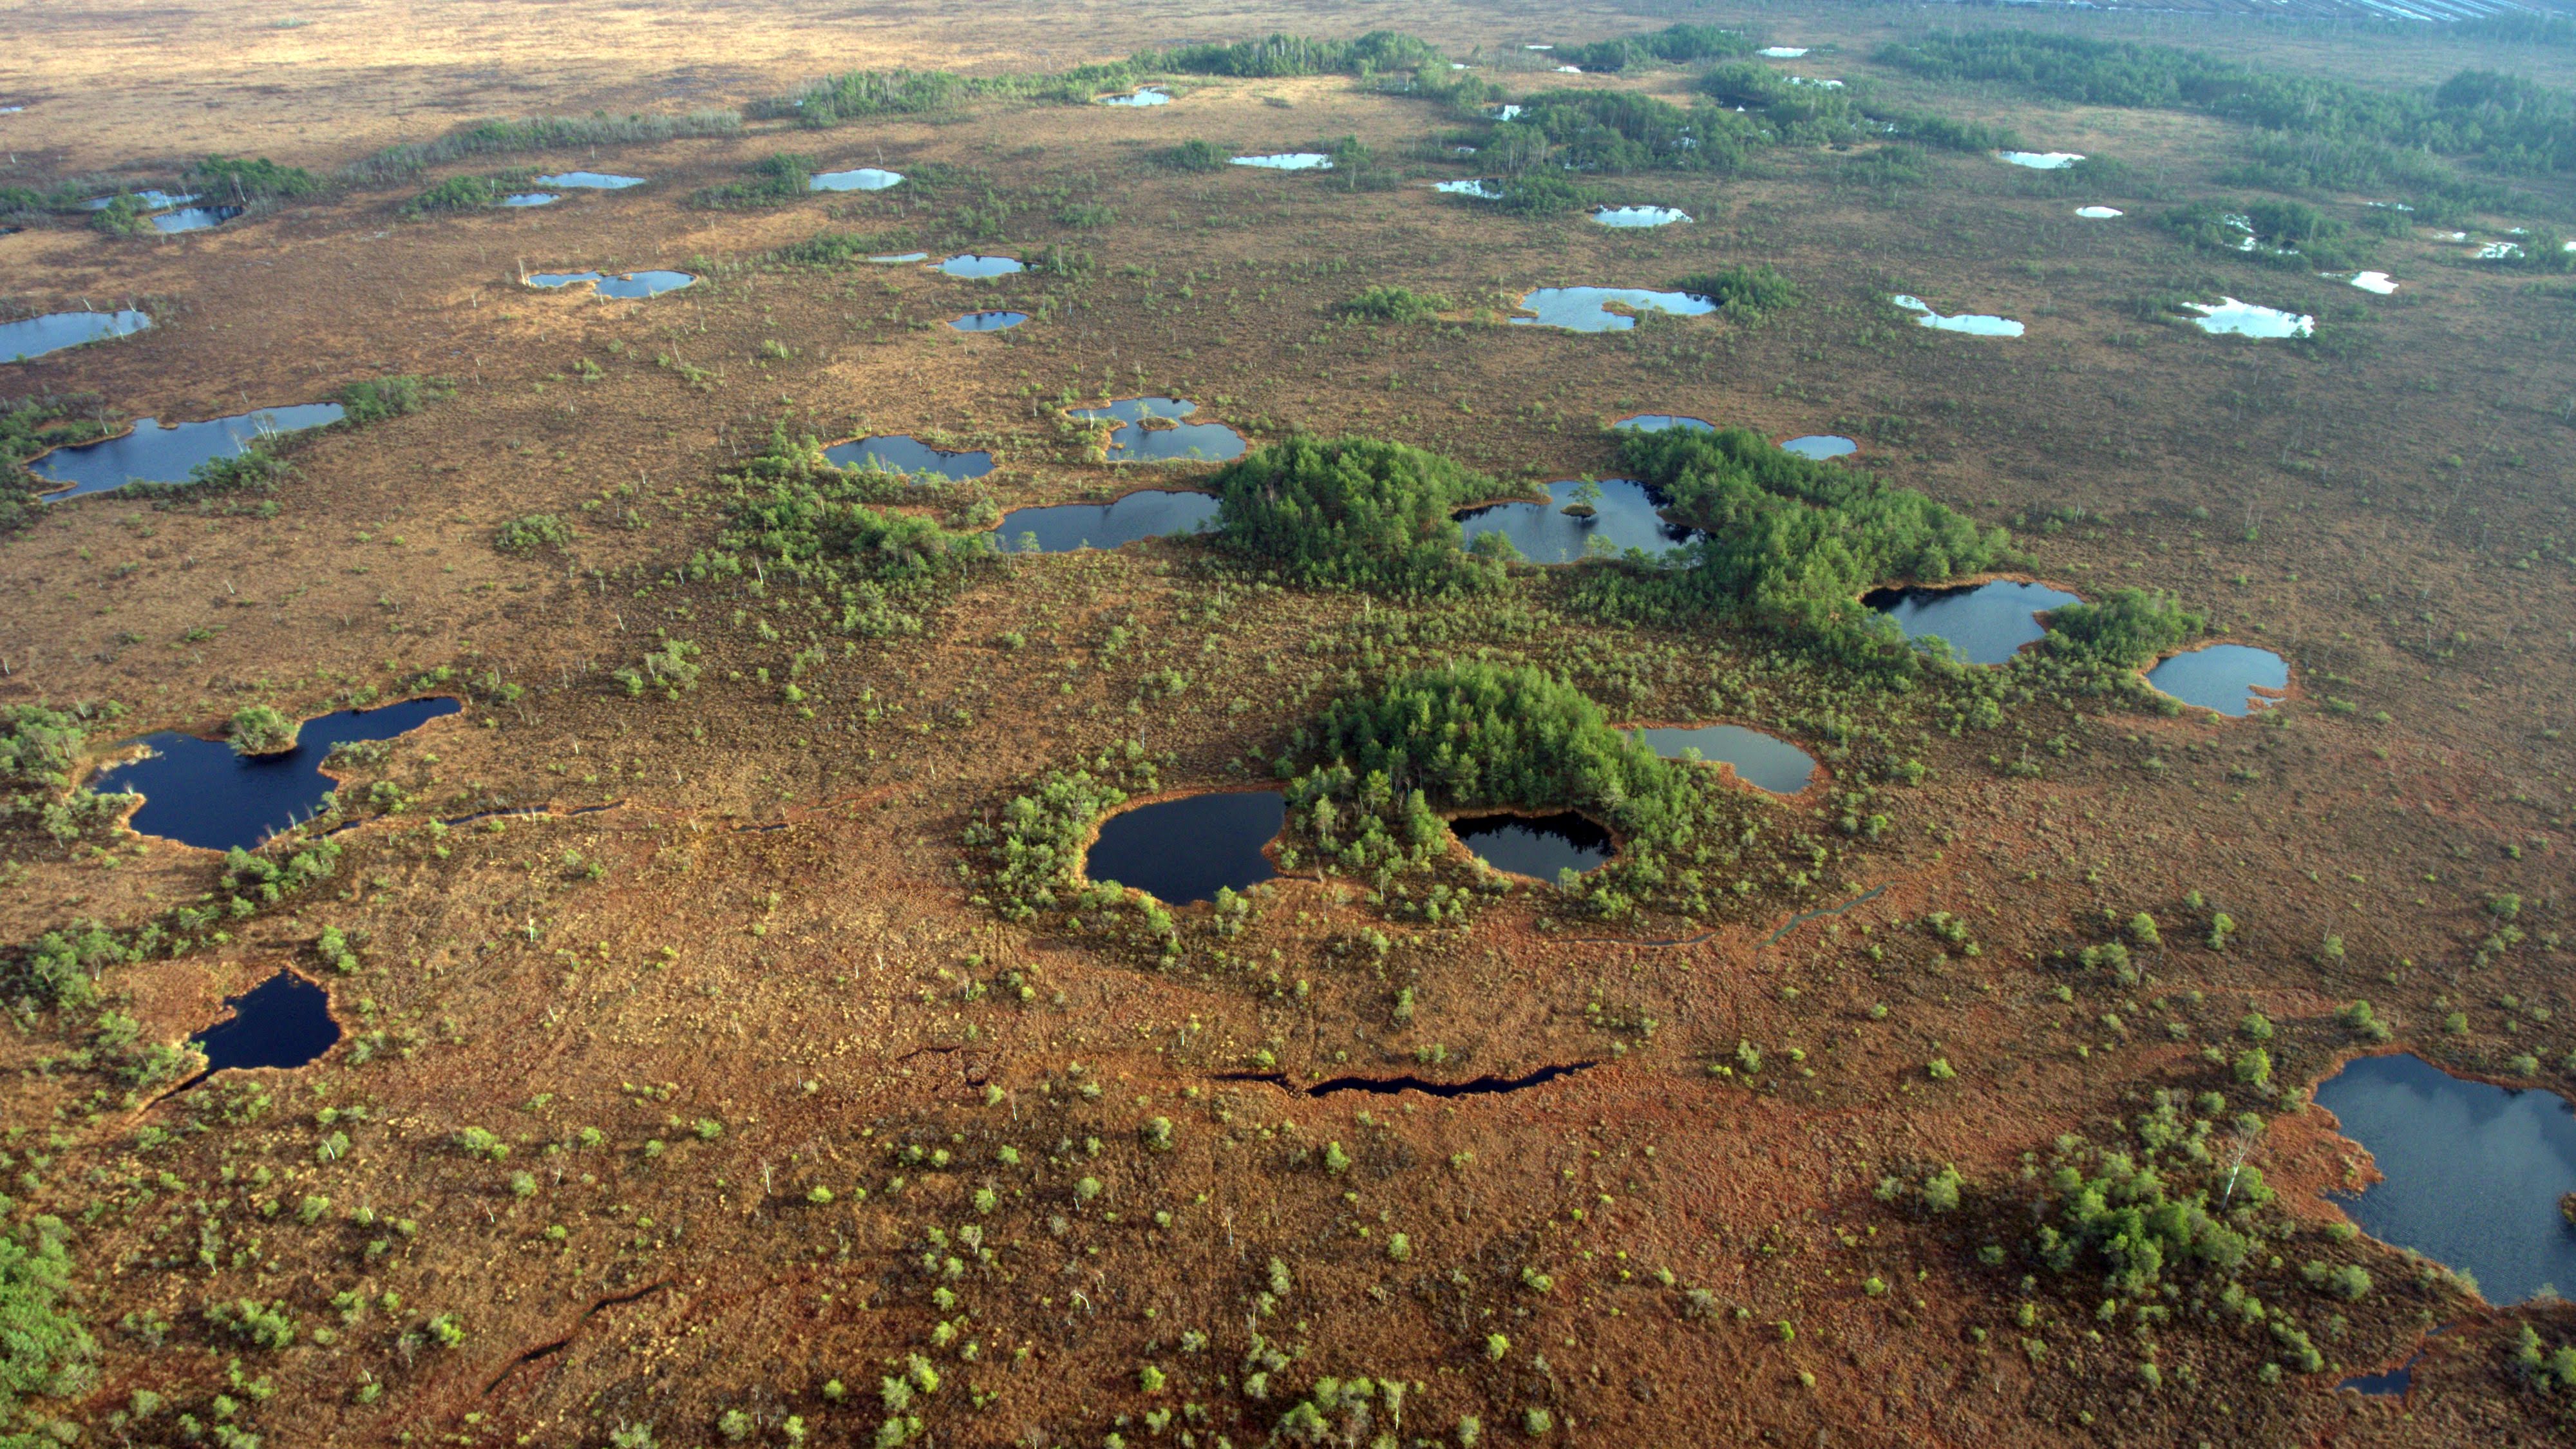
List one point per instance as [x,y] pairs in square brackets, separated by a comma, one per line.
[1747,293]
[238,179]
[378,399]
[1541,193]
[261,730]
[535,531]
[2122,631]
[456,193]
[1194,155]
[775,181]
[1395,304]
[39,1335]
[1354,513]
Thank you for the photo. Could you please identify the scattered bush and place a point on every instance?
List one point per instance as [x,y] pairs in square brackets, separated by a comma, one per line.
[526,535]
[1745,293]
[1395,304]
[260,730]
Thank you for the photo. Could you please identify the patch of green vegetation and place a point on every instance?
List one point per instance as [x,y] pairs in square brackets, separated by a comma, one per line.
[1355,513]
[1792,114]
[1378,52]
[40,1337]
[31,427]
[243,180]
[456,193]
[536,133]
[1672,45]
[841,248]
[2124,630]
[1543,193]
[1395,304]
[524,536]
[123,216]
[261,729]
[376,400]
[1193,154]
[2289,234]
[775,181]
[1620,131]
[1943,133]
[41,749]
[1745,292]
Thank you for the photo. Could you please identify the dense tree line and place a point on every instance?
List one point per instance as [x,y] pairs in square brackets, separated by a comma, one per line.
[1616,131]
[1355,513]
[2123,631]
[1672,45]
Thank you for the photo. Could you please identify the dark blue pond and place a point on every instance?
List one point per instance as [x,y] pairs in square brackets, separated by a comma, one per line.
[1986,624]
[55,331]
[2471,1173]
[1623,518]
[1182,850]
[1067,527]
[1133,442]
[989,321]
[901,453]
[2223,677]
[284,1021]
[971,264]
[1759,760]
[199,792]
[1537,847]
[156,454]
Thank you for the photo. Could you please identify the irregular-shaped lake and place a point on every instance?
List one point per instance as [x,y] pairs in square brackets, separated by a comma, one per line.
[863,178]
[199,792]
[1064,528]
[530,198]
[1534,846]
[1623,518]
[626,285]
[55,331]
[1977,325]
[2223,677]
[900,453]
[1662,422]
[152,453]
[1639,215]
[2471,1173]
[989,321]
[1180,851]
[590,181]
[284,1021]
[2244,319]
[1984,624]
[1289,161]
[1763,761]
[1132,442]
[1584,309]
[970,264]
[1821,446]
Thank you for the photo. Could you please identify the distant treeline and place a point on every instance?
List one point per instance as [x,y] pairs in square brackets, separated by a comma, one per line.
[535,133]
[2502,123]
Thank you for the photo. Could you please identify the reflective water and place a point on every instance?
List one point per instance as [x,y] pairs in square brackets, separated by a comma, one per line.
[1289,161]
[1066,527]
[530,198]
[1132,442]
[590,181]
[1985,624]
[897,257]
[1180,851]
[1783,52]
[1979,325]
[989,321]
[199,792]
[901,453]
[148,199]
[2244,319]
[1476,187]
[2471,1173]
[627,285]
[1639,215]
[864,178]
[55,331]
[969,264]
[2222,677]
[152,453]
[1662,422]
[2040,160]
[193,218]
[1537,847]
[1582,309]
[2376,283]
[1820,446]
[1762,761]
[284,1021]
[2099,213]
[1623,518]
[1141,96]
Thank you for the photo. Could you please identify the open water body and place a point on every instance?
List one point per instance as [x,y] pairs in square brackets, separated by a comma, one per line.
[2472,1173]
[1288,161]
[1583,309]
[970,264]
[36,336]
[2223,677]
[1974,324]
[1984,624]
[530,198]
[590,181]
[2040,160]
[152,453]
[1765,762]
[902,453]
[1662,422]
[629,286]
[1639,215]
[1139,97]
[1623,517]
[1821,446]
[1067,527]
[193,218]
[284,1021]
[863,178]
[1181,851]
[1132,442]
[2244,319]
[200,792]
[1535,846]
[989,321]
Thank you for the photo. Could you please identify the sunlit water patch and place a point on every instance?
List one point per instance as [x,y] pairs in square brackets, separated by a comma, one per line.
[1765,762]
[1783,52]
[989,321]
[148,199]
[1639,215]
[2223,677]
[896,258]
[1582,309]
[1662,422]
[590,181]
[1288,161]
[1623,517]
[2471,1174]
[152,453]
[202,793]
[1185,850]
[530,198]
[863,178]
[627,286]
[2244,319]
[193,218]
[971,264]
[1132,441]
[1974,324]
[36,336]
[1538,847]
[1476,187]
[2099,213]
[2378,284]
[2040,160]
[1983,624]
[900,453]
[1820,446]
[1065,528]
[1141,96]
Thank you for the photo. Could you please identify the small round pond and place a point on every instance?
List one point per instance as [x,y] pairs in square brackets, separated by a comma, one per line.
[2099,213]
[284,1021]
[1984,624]
[625,285]
[1141,96]
[971,264]
[1065,528]
[2471,1174]
[1184,850]
[2223,677]
[1535,846]
[530,198]
[2040,160]
[1587,309]
[1288,161]
[1134,442]
[1976,325]
[152,453]
[989,321]
[1821,446]
[863,178]
[590,181]
[200,792]
[55,331]
[1639,215]
[1765,762]
[2244,319]
[1623,517]
[901,453]
[193,218]
[1662,423]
